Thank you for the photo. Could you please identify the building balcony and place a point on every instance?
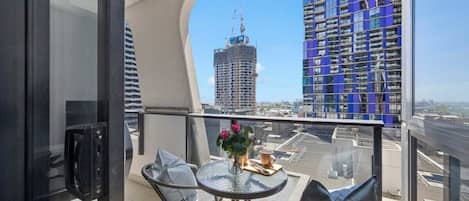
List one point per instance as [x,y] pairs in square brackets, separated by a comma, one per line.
[319,19]
[319,2]
[318,10]
[338,153]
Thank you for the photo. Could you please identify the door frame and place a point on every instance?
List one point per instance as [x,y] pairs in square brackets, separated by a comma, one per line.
[111,28]
[110,88]
[12,100]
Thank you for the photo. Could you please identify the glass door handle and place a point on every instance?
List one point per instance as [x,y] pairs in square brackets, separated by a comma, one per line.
[84,160]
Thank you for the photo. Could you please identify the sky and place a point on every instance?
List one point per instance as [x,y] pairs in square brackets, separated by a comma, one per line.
[442,51]
[275,27]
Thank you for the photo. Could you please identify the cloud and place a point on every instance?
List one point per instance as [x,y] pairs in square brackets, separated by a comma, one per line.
[259,68]
[211,80]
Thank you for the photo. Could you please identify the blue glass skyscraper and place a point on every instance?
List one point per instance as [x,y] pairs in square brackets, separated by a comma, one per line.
[352,59]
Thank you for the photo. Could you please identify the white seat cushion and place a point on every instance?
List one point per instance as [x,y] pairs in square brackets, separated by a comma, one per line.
[170,169]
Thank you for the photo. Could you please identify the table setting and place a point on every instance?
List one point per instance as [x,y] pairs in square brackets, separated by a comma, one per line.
[238,177]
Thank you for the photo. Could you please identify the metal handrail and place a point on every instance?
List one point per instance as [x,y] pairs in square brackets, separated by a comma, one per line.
[184,112]
[373,123]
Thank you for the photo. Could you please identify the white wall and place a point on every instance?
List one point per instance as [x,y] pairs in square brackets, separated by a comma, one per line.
[167,76]
[161,53]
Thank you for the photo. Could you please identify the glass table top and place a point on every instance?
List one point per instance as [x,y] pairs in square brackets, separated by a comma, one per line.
[216,179]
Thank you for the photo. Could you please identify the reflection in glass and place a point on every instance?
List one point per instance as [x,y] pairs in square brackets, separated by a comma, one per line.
[464,188]
[441,64]
[72,93]
[440,177]
[441,82]
[430,173]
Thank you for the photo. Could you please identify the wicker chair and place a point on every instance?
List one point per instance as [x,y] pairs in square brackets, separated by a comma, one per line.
[157,184]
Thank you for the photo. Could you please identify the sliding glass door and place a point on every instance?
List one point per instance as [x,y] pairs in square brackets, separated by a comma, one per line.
[74,103]
[60,156]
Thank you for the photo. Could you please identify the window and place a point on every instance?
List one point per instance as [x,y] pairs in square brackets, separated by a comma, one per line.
[441,64]
[321,25]
[374,18]
[322,52]
[363,4]
[317,61]
[381,2]
[317,71]
[358,21]
[331,8]
[320,35]
[437,171]
[358,16]
[440,101]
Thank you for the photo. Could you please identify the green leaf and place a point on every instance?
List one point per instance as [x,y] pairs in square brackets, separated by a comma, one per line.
[237,148]
[242,140]
[219,141]
[247,129]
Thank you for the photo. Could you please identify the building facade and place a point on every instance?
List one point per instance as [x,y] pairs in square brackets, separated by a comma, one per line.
[132,93]
[133,98]
[352,59]
[235,76]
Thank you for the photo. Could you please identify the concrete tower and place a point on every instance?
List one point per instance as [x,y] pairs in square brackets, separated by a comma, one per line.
[235,74]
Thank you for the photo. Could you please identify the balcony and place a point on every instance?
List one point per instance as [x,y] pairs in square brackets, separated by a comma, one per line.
[47,90]
[318,10]
[338,153]
[319,2]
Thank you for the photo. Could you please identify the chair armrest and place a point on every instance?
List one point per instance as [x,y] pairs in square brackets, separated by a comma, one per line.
[153,181]
[193,167]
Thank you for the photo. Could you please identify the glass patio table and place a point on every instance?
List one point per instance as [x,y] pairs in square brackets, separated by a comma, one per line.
[216,179]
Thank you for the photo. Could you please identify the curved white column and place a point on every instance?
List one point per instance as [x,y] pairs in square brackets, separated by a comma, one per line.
[166,73]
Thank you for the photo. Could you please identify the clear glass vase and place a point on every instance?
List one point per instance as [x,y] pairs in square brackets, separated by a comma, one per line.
[235,167]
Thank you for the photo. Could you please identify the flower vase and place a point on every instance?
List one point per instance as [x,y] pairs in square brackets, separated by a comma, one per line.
[235,168]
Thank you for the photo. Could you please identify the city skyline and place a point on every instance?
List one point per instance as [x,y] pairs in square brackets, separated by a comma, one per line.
[280,78]
[277,32]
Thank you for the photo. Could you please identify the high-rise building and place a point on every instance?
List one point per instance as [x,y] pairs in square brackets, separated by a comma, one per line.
[352,59]
[132,93]
[235,75]
[133,99]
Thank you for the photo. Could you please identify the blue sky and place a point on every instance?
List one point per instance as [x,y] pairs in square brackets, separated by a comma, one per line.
[442,50]
[275,26]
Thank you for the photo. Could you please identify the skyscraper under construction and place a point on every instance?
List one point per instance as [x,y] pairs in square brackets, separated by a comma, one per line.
[235,75]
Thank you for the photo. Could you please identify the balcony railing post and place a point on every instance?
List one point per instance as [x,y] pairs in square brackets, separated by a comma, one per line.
[377,159]
[188,139]
[141,135]
[452,178]
[412,174]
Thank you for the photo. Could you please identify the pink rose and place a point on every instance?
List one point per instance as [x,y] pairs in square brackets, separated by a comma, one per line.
[224,134]
[235,128]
